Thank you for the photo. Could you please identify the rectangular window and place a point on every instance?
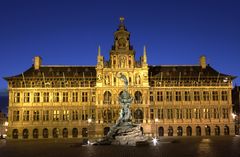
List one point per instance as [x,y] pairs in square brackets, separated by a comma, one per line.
[25,115]
[159,96]
[215,113]
[151,114]
[15,115]
[178,96]
[65,115]
[26,98]
[197,113]
[65,96]
[196,95]
[56,115]
[75,115]
[46,97]
[84,96]
[45,115]
[36,116]
[206,113]
[160,113]
[188,113]
[17,97]
[168,96]
[75,97]
[169,114]
[224,96]
[56,97]
[93,97]
[187,96]
[151,97]
[36,97]
[225,113]
[215,96]
[179,113]
[206,96]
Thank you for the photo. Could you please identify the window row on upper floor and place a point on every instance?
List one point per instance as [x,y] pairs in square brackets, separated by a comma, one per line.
[189,96]
[46,97]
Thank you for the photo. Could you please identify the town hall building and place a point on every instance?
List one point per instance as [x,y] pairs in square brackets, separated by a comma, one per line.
[52,101]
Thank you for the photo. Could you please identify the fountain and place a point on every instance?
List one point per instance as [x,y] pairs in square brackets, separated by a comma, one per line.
[124,132]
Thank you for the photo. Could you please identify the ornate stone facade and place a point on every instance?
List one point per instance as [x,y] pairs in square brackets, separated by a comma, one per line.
[50,101]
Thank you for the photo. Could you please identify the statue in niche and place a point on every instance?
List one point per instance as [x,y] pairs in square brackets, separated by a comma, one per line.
[107,80]
[138,79]
[122,62]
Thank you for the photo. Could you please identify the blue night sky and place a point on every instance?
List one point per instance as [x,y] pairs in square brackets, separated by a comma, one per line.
[69,32]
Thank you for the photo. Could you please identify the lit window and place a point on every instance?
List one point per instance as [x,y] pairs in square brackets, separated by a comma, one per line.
[26,97]
[37,97]
[46,97]
[16,97]
[25,115]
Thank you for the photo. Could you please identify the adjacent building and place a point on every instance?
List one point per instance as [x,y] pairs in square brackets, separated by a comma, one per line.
[3,125]
[236,108]
[52,101]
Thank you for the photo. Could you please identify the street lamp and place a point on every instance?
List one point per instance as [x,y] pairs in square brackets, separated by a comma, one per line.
[156,121]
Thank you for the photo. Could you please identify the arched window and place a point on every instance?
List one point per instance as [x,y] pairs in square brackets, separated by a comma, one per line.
[35,133]
[161,131]
[65,133]
[170,131]
[138,97]
[226,130]
[198,131]
[217,130]
[45,133]
[15,133]
[179,131]
[189,131]
[138,116]
[74,132]
[107,97]
[25,133]
[55,132]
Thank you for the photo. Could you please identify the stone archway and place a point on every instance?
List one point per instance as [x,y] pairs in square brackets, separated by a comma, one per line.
[55,132]
[198,131]
[15,133]
[217,130]
[189,131]
[161,131]
[65,133]
[170,131]
[35,133]
[74,132]
[226,130]
[25,133]
[45,133]
[207,130]
[179,131]
[84,132]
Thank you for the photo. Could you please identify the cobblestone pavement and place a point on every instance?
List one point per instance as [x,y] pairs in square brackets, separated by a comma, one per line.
[167,147]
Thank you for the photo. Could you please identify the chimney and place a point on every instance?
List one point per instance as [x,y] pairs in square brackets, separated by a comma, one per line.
[37,62]
[202,62]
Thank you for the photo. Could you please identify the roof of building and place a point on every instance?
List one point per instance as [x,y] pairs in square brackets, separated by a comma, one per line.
[163,71]
[58,71]
[176,71]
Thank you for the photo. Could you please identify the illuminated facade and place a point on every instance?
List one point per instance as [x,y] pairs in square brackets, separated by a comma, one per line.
[51,101]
